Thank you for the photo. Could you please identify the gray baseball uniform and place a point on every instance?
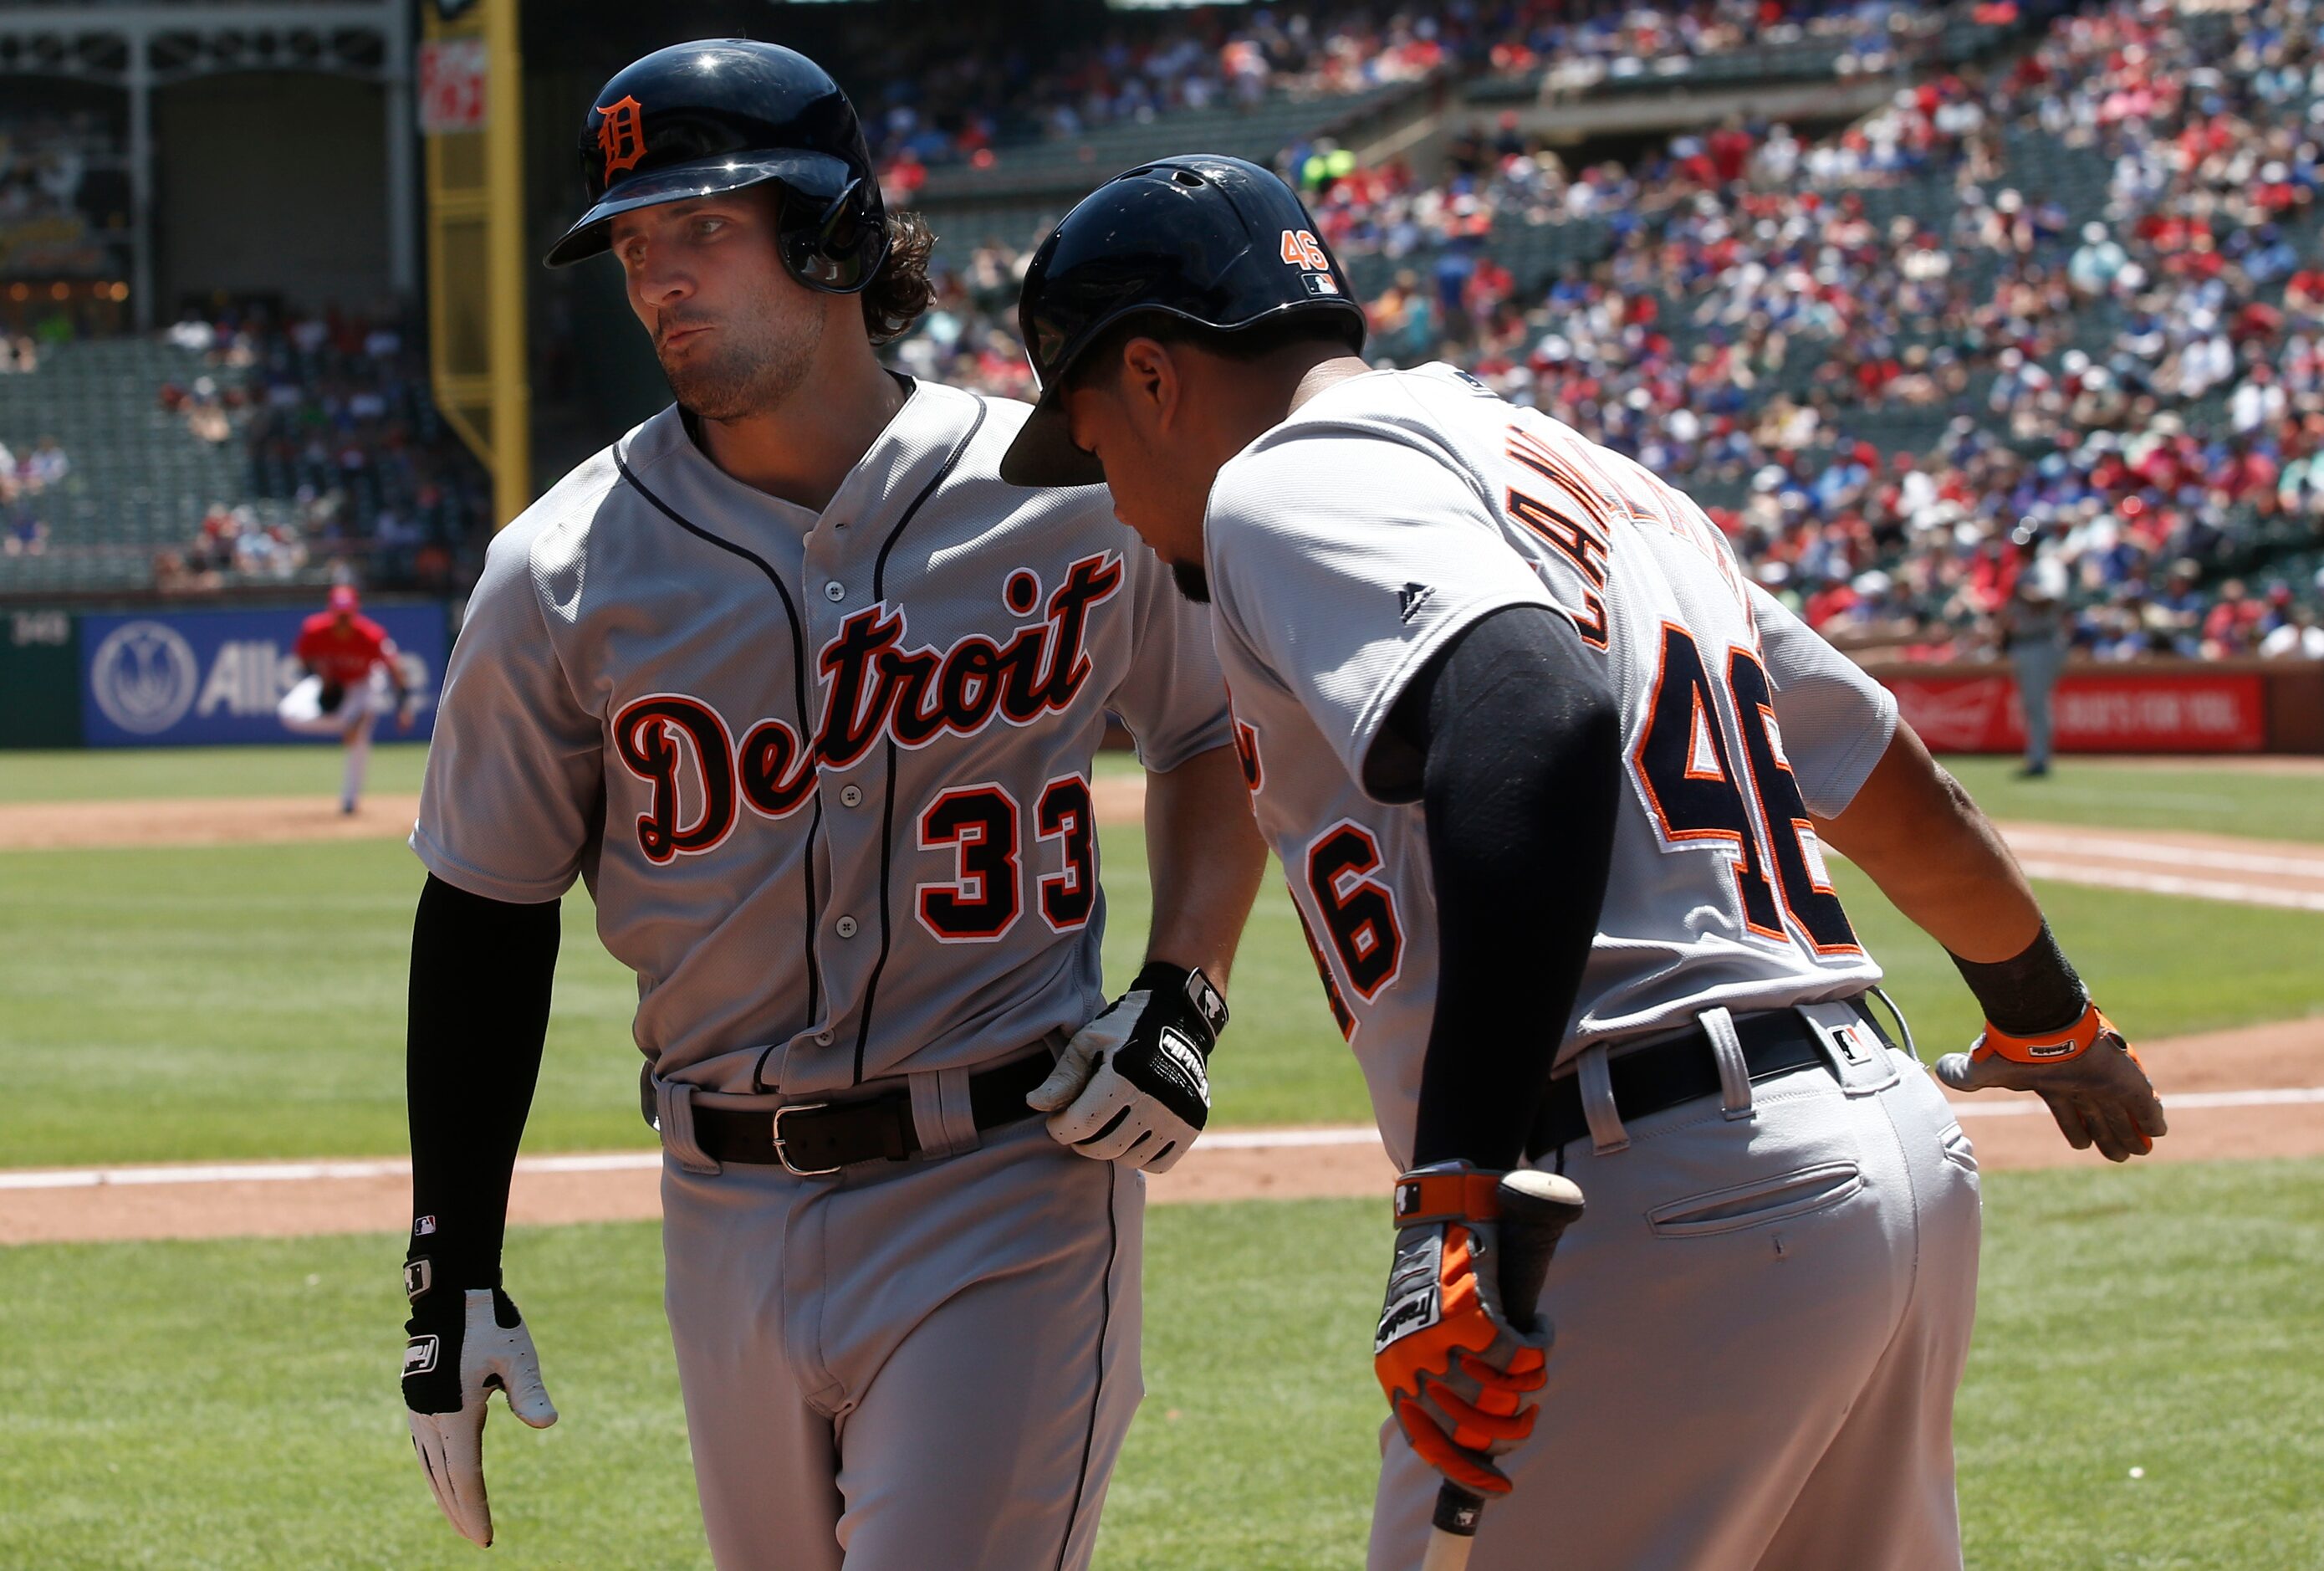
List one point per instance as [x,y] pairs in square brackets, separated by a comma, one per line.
[1762,1320]
[827,777]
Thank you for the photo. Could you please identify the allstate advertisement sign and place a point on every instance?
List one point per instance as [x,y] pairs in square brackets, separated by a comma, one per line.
[207,677]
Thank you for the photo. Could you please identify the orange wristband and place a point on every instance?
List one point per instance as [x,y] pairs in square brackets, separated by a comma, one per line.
[2050,1046]
[1457,1197]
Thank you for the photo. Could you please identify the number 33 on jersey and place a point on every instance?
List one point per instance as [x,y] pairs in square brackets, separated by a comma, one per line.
[828,775]
[1739,724]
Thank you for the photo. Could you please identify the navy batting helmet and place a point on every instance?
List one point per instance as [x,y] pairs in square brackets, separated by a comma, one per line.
[1209,239]
[698,119]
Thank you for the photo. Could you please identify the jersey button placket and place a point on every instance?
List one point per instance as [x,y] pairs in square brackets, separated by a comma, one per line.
[851,795]
[834,591]
[845,927]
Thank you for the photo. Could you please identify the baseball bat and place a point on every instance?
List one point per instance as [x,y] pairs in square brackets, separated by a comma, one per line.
[1536,1208]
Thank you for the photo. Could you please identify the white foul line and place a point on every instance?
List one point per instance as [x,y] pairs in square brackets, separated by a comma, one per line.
[2301,900]
[587,1162]
[1267,1140]
[2280,1097]
[2210,857]
[301,1172]
[1344,1135]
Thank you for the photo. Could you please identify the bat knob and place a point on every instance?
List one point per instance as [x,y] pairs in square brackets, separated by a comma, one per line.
[1531,1197]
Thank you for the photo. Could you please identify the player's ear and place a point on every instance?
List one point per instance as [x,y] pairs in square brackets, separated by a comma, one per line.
[1151,380]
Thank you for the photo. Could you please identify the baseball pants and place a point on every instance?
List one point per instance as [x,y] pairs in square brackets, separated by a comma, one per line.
[1760,1323]
[912,1364]
[301,709]
[2038,666]
[359,709]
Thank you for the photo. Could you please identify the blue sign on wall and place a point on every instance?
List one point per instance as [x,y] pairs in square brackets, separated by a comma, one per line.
[172,678]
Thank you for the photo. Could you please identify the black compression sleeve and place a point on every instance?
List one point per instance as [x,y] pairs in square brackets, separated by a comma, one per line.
[1520,743]
[2034,992]
[481,972]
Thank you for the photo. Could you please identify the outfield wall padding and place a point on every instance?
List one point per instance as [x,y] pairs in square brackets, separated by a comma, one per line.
[40,681]
[2164,705]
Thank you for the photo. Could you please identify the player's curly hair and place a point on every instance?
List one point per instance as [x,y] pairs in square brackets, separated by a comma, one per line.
[900,294]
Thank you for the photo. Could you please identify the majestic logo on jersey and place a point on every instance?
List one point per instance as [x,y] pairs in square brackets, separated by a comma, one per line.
[1411,598]
[620,134]
[875,685]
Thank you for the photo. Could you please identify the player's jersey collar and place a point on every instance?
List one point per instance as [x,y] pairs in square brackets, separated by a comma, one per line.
[907,452]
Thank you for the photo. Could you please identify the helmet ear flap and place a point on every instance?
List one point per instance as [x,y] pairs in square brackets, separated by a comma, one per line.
[837,249]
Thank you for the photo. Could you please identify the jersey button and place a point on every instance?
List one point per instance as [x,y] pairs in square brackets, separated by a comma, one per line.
[834,591]
[822,1038]
[845,927]
[851,796]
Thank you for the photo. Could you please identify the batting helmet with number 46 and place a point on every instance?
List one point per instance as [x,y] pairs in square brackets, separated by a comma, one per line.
[1206,238]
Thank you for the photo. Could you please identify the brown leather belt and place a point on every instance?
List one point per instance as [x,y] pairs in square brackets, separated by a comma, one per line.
[1651,1079]
[815,1139]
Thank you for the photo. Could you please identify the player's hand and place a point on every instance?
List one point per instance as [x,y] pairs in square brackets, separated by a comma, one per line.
[2095,1088]
[1461,1379]
[1133,1084]
[464,1347]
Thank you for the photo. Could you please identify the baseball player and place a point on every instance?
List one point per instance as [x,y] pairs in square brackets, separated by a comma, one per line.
[1552,779]
[2036,633]
[353,677]
[809,697]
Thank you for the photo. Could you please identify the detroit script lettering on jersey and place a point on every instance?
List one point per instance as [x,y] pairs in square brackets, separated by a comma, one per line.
[875,685]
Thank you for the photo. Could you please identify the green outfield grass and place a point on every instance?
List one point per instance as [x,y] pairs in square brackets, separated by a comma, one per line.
[2210,799]
[2220,800]
[248,1001]
[233,1404]
[102,774]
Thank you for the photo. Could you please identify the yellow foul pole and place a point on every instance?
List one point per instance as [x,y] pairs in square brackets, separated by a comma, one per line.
[477,270]
[512,390]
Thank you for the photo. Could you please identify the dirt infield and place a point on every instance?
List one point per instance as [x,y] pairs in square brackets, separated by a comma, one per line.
[200,821]
[2242,1094]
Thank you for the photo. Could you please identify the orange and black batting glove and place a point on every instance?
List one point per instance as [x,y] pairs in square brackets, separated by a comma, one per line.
[2095,1085]
[1461,1378]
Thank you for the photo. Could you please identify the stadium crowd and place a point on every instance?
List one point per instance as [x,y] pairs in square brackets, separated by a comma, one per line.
[339,432]
[2141,396]
[23,478]
[2068,314]
[1577,52]
[963,91]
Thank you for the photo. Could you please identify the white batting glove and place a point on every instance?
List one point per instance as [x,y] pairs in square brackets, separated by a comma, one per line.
[454,1369]
[1133,1084]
